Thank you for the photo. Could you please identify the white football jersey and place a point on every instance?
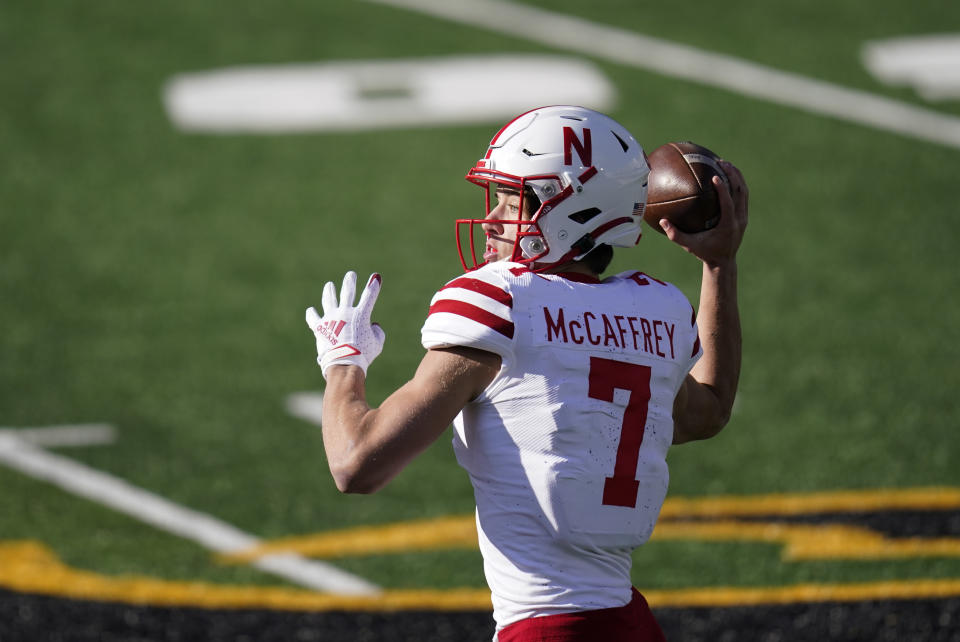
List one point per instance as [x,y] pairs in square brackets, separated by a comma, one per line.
[566,448]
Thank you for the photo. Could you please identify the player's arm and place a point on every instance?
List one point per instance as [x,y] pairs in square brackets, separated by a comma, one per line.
[705,401]
[366,447]
[706,397]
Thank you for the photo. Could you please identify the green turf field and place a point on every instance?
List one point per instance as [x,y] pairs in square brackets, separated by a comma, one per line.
[155,280]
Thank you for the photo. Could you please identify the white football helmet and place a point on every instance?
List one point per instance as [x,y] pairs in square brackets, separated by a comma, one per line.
[588,172]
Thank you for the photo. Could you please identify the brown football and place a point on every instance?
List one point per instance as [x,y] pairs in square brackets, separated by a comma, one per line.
[680,187]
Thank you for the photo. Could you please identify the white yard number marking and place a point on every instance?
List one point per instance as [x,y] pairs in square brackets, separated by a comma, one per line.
[930,64]
[362,95]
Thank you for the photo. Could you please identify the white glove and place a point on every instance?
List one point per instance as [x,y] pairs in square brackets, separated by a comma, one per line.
[345,335]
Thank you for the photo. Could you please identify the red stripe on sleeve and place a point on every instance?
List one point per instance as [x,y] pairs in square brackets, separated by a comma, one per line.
[482,287]
[474,313]
[696,348]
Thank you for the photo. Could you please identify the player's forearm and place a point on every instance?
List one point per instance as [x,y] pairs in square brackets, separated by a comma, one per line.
[347,421]
[718,319]
[367,447]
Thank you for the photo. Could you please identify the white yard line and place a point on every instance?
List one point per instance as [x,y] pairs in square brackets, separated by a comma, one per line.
[118,494]
[64,436]
[709,68]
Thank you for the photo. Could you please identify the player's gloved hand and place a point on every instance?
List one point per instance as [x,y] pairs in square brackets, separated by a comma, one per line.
[345,335]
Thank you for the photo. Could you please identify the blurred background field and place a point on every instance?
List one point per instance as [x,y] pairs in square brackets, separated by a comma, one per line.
[155,279]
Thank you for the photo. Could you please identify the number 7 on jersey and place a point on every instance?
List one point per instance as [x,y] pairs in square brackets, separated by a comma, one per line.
[607,375]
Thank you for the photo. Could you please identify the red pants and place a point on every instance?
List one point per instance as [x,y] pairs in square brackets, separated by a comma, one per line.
[631,623]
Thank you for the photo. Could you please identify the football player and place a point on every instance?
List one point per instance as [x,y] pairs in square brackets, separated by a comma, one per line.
[565,390]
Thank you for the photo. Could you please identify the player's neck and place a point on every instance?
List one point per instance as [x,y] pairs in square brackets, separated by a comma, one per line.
[573,267]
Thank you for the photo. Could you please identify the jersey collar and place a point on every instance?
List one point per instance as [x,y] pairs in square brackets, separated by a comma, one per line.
[579,277]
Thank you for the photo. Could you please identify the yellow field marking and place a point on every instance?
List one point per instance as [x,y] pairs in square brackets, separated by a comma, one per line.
[431,534]
[934,498]
[801,542]
[30,567]
[807,543]
[803,593]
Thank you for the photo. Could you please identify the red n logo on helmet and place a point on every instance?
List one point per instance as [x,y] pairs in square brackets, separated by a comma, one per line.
[584,148]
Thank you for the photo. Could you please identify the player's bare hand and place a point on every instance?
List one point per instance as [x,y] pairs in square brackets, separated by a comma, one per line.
[719,245]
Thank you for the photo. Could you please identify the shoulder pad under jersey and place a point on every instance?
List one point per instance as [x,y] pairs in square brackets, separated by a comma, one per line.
[474,310]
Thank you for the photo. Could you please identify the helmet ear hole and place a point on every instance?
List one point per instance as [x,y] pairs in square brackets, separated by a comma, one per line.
[584,244]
